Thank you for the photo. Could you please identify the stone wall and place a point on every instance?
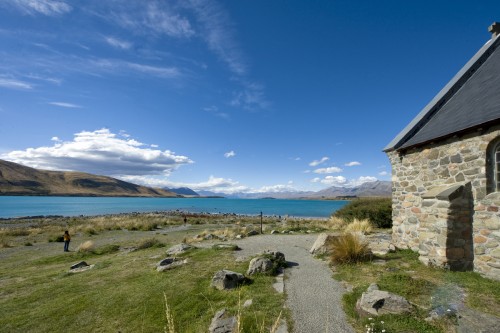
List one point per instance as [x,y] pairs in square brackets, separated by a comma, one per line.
[487,236]
[456,161]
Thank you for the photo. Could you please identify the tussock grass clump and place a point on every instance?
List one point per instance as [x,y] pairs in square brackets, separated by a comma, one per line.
[86,247]
[361,226]
[106,249]
[15,232]
[349,248]
[56,239]
[148,243]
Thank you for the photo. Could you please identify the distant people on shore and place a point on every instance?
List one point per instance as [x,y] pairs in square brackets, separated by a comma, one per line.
[67,239]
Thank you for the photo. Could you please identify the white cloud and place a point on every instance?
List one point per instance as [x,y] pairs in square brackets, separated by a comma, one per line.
[341,181]
[353,163]
[230,154]
[252,97]
[15,84]
[383,173]
[361,180]
[121,67]
[45,7]
[215,111]
[65,105]
[318,162]
[120,44]
[55,138]
[218,33]
[328,170]
[100,152]
[276,189]
[334,180]
[156,17]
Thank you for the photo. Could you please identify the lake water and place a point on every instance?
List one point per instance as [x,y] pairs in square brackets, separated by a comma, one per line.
[19,206]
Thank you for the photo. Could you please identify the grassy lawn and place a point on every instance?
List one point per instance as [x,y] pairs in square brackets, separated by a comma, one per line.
[403,274]
[123,292]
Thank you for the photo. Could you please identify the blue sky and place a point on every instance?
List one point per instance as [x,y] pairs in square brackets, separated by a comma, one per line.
[227,96]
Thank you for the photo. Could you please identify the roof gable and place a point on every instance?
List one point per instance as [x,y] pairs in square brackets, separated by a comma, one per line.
[470,99]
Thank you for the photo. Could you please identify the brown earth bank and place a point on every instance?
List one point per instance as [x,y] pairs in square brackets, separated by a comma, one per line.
[17,179]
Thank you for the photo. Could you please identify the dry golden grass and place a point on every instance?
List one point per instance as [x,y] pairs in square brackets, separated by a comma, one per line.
[86,247]
[361,226]
[349,248]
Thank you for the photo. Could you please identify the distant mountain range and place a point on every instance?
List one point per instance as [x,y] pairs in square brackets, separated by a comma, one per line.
[377,188]
[17,179]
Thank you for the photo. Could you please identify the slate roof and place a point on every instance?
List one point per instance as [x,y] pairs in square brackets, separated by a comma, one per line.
[469,100]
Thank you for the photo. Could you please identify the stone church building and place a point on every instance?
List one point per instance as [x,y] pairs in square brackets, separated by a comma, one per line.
[446,171]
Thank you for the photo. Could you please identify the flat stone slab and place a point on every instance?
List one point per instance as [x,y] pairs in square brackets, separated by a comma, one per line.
[81,269]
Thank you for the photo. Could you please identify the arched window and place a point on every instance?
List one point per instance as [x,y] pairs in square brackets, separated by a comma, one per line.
[493,166]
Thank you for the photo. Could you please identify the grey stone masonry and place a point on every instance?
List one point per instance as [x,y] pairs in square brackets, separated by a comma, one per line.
[440,204]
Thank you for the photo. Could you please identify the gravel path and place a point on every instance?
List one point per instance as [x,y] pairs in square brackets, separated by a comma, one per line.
[313,297]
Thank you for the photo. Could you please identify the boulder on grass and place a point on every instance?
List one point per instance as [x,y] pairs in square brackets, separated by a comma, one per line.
[179,249]
[320,245]
[378,302]
[252,233]
[82,266]
[169,263]
[226,279]
[222,323]
[269,262]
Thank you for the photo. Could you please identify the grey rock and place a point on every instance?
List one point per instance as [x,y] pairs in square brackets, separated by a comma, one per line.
[222,323]
[226,279]
[378,302]
[79,265]
[179,249]
[247,303]
[372,287]
[274,232]
[320,245]
[169,263]
[472,321]
[209,237]
[260,265]
[252,233]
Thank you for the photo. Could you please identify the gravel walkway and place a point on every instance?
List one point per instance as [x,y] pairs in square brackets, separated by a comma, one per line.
[313,297]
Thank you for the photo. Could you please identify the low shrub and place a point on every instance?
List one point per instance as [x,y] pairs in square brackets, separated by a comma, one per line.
[111,248]
[56,239]
[148,243]
[378,211]
[349,248]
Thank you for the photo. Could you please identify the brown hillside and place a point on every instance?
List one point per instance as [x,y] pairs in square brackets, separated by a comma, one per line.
[17,179]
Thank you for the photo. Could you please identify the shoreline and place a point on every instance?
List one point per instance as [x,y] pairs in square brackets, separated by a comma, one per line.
[164,213]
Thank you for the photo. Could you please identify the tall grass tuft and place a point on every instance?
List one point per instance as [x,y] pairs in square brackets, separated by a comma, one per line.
[361,226]
[170,327]
[349,248]
[86,247]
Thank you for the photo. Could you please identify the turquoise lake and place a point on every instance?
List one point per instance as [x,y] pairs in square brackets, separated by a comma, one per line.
[73,206]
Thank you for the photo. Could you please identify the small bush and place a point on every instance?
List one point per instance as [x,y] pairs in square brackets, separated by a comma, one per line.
[378,211]
[362,226]
[349,248]
[111,248]
[28,244]
[149,242]
[86,247]
[56,239]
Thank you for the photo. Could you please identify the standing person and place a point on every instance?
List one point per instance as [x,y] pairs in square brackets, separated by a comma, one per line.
[67,239]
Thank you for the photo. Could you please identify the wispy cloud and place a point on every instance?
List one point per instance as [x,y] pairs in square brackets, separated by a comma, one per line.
[328,170]
[100,152]
[218,33]
[66,105]
[353,163]
[15,84]
[45,7]
[118,43]
[215,111]
[318,162]
[152,17]
[121,67]
[230,154]
[383,173]
[251,97]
